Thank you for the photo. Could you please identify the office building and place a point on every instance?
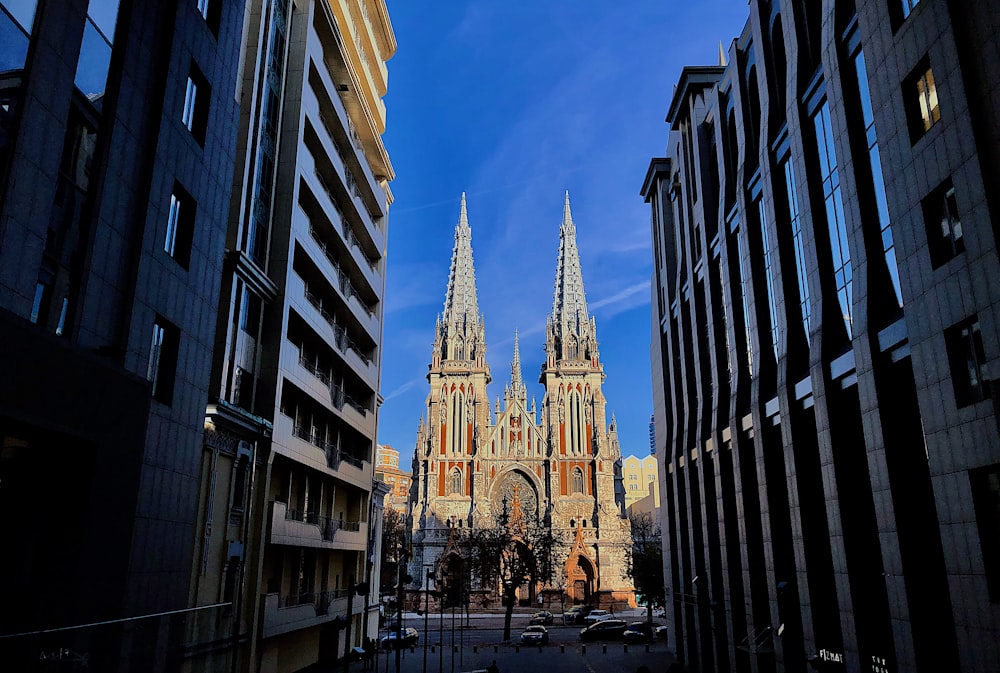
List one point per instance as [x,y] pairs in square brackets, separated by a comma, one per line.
[286,509]
[118,133]
[825,341]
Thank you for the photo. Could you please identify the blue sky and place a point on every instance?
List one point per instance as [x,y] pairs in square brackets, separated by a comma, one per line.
[514,102]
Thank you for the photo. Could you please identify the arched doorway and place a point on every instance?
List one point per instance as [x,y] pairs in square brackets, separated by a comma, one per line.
[580,579]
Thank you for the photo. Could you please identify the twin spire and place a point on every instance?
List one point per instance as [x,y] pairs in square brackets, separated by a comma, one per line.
[462,321]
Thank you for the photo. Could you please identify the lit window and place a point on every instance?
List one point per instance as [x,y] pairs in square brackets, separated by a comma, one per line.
[968,362]
[944,227]
[922,100]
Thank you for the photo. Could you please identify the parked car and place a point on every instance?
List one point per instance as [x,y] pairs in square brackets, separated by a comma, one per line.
[608,629]
[639,632]
[597,616]
[535,634]
[543,617]
[576,614]
[410,637]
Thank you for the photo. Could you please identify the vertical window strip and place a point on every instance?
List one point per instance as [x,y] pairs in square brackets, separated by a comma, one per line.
[798,244]
[909,6]
[835,221]
[190,95]
[155,351]
[725,324]
[744,287]
[765,241]
[173,217]
[878,180]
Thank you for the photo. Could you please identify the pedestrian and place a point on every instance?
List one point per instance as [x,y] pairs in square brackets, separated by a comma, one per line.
[493,667]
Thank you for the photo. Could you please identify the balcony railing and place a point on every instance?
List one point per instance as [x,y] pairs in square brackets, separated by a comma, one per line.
[337,394]
[334,455]
[343,280]
[295,600]
[341,340]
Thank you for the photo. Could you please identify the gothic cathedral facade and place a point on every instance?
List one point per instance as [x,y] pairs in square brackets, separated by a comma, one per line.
[557,462]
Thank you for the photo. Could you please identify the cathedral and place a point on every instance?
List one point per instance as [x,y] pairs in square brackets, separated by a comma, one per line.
[556,464]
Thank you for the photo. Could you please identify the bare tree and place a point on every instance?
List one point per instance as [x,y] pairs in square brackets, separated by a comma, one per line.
[509,553]
[644,561]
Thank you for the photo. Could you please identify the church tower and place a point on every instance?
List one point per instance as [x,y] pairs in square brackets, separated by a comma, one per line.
[584,450]
[457,405]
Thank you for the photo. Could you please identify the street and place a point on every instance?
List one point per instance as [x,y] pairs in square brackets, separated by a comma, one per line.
[459,644]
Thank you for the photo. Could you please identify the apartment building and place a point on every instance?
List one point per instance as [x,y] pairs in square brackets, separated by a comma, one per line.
[118,128]
[825,341]
[286,505]
[396,479]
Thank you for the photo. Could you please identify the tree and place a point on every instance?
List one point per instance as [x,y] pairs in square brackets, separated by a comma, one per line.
[644,561]
[509,552]
[393,544]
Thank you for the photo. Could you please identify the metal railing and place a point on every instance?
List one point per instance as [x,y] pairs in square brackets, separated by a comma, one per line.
[341,340]
[338,395]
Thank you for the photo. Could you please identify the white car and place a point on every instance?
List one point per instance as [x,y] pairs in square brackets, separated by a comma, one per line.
[597,616]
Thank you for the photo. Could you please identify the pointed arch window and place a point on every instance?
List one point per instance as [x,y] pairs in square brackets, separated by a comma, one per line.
[455,485]
[458,422]
[577,480]
[459,348]
[572,348]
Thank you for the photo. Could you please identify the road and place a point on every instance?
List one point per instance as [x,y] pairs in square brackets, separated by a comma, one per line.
[461,645]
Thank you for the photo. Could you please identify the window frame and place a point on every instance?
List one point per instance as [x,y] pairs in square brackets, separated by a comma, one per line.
[940,209]
[921,100]
[197,104]
[178,238]
[161,370]
[967,357]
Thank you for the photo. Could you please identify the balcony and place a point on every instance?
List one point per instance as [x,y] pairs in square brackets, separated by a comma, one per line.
[291,612]
[317,381]
[308,449]
[293,528]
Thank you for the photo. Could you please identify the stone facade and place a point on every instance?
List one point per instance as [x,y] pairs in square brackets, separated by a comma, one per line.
[557,459]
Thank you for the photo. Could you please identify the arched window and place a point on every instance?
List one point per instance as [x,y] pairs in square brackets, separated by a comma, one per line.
[459,348]
[577,480]
[455,482]
[572,350]
[457,429]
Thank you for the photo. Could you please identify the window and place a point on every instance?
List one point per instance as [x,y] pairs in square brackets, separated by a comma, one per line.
[944,227]
[908,6]
[577,480]
[455,485]
[836,224]
[968,362]
[244,348]
[765,242]
[196,100]
[878,181]
[985,482]
[163,360]
[920,94]
[180,226]
[798,244]
[210,11]
[744,299]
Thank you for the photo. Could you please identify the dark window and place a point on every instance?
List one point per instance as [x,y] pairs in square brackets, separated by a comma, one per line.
[455,484]
[163,360]
[180,226]
[944,228]
[210,10]
[244,346]
[968,362]
[798,243]
[196,102]
[985,483]
[921,100]
[577,480]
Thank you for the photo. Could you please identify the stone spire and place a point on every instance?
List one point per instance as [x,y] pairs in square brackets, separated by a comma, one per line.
[461,306]
[459,333]
[516,389]
[569,306]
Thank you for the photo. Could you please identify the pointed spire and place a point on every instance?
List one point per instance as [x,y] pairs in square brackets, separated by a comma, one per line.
[517,388]
[461,305]
[569,306]
[722,55]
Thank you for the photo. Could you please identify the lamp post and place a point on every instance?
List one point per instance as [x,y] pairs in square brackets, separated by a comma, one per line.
[444,575]
[427,594]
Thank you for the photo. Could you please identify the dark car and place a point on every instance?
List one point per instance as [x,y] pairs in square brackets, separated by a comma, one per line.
[409,639]
[576,614]
[535,635]
[639,632]
[543,617]
[609,629]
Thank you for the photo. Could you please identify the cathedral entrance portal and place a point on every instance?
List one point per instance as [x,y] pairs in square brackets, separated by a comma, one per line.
[581,580]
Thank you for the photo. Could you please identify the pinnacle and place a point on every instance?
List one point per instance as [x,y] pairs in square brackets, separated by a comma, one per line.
[569,305]
[461,305]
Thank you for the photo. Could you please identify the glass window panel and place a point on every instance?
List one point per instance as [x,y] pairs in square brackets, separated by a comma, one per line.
[13,44]
[23,12]
[92,68]
[104,13]
[173,216]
